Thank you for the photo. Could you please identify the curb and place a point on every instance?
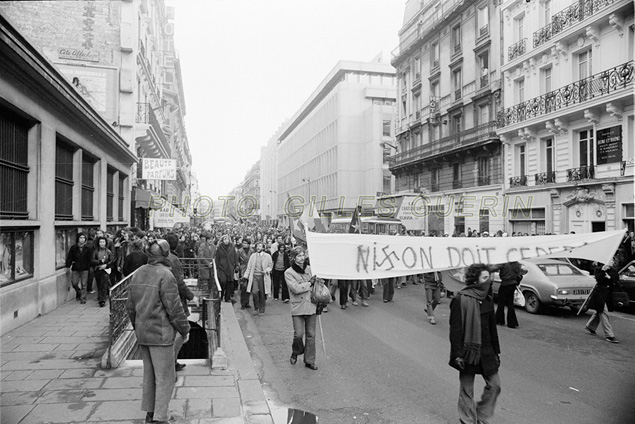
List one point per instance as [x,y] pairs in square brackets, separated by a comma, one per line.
[253,400]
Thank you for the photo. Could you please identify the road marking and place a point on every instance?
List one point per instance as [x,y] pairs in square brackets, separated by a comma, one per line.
[622,316]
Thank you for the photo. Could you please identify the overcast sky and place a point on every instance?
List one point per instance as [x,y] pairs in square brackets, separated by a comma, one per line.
[250,64]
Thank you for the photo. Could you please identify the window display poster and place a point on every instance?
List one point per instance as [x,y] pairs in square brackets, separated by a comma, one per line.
[609,145]
[23,254]
[5,257]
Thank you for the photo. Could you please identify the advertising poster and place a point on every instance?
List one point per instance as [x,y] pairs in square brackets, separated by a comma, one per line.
[609,145]
[158,169]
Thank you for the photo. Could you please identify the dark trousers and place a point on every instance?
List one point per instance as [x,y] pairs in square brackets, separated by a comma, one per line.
[228,290]
[91,277]
[304,325]
[359,287]
[258,293]
[389,288]
[103,284]
[279,283]
[244,295]
[506,299]
[344,286]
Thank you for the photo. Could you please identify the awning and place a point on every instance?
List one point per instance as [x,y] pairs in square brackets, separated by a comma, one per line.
[142,198]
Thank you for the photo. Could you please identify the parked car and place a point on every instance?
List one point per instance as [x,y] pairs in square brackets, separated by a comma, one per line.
[552,282]
[627,281]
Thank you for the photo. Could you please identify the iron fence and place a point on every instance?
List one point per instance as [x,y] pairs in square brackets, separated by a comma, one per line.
[119,318]
[581,173]
[519,181]
[580,91]
[545,177]
[517,49]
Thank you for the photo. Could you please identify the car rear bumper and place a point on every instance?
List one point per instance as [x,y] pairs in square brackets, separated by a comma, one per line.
[565,301]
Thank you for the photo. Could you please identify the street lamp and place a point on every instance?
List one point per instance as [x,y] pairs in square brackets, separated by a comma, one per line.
[383,144]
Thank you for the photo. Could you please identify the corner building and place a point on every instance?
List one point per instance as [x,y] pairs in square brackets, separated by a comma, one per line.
[568,126]
[449,92]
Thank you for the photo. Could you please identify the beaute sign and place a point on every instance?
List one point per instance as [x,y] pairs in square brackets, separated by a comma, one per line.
[361,256]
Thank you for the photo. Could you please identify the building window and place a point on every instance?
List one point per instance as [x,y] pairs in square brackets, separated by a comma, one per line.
[483,114]
[434,93]
[522,159]
[586,146]
[457,83]
[63,182]
[434,179]
[549,155]
[386,127]
[483,61]
[456,39]
[585,60]
[14,167]
[519,28]
[483,171]
[483,21]
[16,256]
[546,12]
[456,175]
[122,179]
[628,216]
[417,69]
[520,90]
[416,104]
[456,123]
[434,56]
[546,79]
[483,221]
[528,221]
[110,194]
[88,189]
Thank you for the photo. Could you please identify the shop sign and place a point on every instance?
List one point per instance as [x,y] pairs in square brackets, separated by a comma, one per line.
[609,145]
[78,54]
[158,169]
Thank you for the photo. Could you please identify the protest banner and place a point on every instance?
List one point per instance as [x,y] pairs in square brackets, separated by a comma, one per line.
[364,256]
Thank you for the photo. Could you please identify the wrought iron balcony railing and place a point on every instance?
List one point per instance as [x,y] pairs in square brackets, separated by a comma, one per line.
[457,184]
[143,113]
[577,12]
[600,84]
[519,181]
[484,81]
[457,94]
[484,180]
[517,49]
[545,177]
[446,144]
[581,173]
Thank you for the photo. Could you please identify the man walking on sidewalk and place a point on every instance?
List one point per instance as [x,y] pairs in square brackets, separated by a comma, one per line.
[156,314]
[78,262]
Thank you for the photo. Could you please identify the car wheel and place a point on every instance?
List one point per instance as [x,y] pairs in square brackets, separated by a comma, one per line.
[532,303]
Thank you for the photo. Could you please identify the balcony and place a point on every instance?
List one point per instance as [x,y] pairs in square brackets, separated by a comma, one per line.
[545,177]
[600,84]
[457,184]
[434,186]
[577,12]
[457,94]
[581,173]
[520,181]
[484,180]
[484,81]
[456,141]
[517,49]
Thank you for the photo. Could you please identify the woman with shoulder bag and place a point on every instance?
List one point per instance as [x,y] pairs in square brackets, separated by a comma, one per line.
[303,311]
[607,281]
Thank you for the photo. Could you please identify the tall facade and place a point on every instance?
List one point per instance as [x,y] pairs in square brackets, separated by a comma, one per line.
[120,56]
[63,169]
[269,178]
[449,158]
[248,204]
[568,125]
[330,149]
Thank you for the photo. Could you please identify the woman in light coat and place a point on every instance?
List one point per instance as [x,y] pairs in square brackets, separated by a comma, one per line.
[303,311]
[258,275]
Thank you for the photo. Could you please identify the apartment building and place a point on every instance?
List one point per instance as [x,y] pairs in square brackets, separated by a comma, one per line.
[448,163]
[330,150]
[568,124]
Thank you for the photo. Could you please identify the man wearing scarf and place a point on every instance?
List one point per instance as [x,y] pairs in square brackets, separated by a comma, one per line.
[474,347]
[259,276]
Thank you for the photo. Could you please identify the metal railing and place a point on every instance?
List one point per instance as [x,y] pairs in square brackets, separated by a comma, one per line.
[446,144]
[517,49]
[519,181]
[143,113]
[577,12]
[581,173]
[545,177]
[484,81]
[600,84]
[119,319]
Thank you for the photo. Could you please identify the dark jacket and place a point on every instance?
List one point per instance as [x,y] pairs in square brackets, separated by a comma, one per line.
[432,282]
[79,259]
[184,292]
[102,257]
[153,305]
[510,273]
[489,338]
[226,261]
[134,260]
[607,282]
[286,260]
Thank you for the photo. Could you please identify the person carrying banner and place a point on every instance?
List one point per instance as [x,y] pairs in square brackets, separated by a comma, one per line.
[607,281]
[303,311]
[432,282]
[474,347]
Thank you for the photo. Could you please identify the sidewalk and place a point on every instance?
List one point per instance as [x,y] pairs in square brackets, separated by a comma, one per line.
[50,373]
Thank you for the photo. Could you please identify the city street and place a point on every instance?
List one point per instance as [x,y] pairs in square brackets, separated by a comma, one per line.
[387,364]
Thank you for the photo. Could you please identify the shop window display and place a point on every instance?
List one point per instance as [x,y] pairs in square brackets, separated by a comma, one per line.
[16,256]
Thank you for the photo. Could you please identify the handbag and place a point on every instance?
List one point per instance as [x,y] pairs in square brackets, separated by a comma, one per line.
[519,298]
[320,294]
[619,299]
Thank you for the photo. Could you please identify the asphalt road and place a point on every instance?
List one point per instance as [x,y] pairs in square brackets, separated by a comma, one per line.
[387,364]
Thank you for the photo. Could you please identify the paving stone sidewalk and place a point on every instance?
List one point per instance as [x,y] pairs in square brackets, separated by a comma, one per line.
[51,373]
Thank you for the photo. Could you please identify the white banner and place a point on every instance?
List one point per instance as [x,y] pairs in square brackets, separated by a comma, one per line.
[169,216]
[363,256]
[158,169]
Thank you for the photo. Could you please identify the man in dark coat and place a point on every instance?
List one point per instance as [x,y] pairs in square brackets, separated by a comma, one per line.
[607,281]
[474,347]
[226,265]
[135,259]
[156,314]
[78,262]
[244,254]
[510,274]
